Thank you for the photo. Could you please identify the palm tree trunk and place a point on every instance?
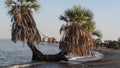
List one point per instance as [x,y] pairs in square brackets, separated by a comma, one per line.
[36,53]
[38,56]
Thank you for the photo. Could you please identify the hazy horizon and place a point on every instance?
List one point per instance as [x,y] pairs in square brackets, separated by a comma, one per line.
[106,16]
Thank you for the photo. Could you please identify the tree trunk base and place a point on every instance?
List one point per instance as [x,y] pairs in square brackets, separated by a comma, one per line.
[49,58]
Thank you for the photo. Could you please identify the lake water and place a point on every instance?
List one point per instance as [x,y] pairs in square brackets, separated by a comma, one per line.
[11,53]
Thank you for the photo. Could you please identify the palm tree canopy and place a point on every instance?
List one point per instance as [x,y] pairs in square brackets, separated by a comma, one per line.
[76,15]
[81,16]
[22,5]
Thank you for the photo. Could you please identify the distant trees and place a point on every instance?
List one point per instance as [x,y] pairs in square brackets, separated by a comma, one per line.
[49,40]
[111,44]
[108,44]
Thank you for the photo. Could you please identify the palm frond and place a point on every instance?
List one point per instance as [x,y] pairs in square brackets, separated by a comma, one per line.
[32,1]
[76,41]
[35,7]
[12,11]
[63,18]
[87,14]
[9,3]
[97,33]
[89,25]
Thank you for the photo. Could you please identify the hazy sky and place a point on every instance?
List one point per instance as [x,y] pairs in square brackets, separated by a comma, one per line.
[106,15]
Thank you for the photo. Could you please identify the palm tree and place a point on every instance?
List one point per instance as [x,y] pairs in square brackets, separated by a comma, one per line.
[24,27]
[77,38]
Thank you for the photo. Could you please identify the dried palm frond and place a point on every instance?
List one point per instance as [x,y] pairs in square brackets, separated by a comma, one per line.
[24,28]
[76,41]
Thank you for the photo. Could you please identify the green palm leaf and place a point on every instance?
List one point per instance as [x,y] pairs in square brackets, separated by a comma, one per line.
[97,33]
